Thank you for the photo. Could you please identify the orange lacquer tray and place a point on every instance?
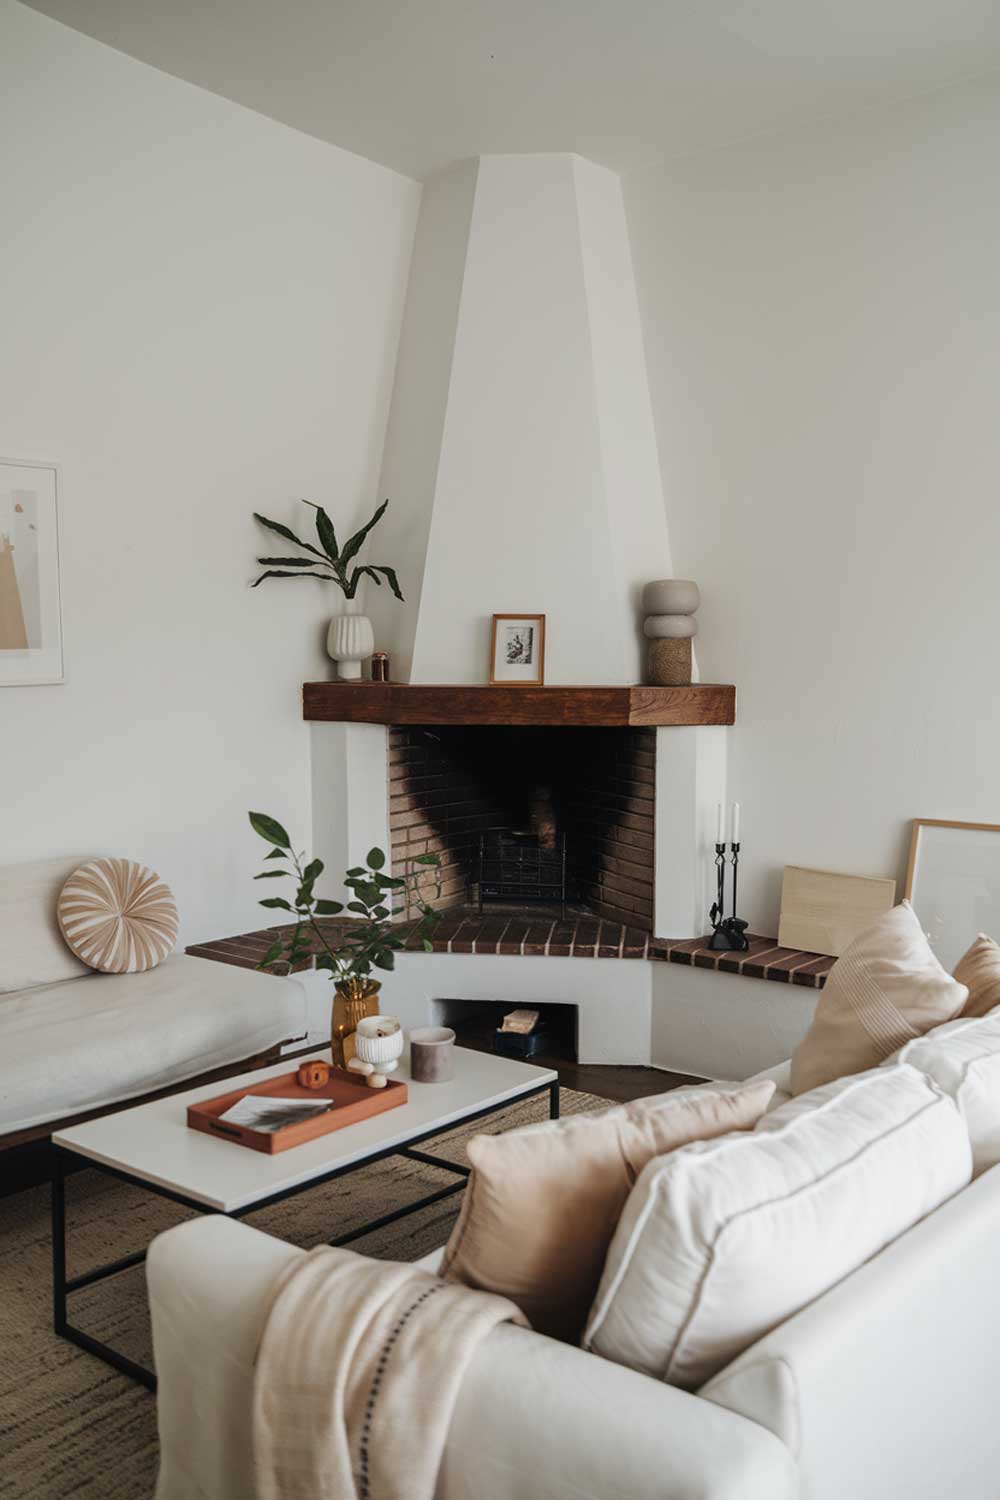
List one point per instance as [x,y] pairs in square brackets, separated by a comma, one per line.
[352,1099]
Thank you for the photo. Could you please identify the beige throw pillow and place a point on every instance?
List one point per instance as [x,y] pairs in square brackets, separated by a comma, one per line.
[117,916]
[723,1240]
[543,1202]
[979,971]
[886,989]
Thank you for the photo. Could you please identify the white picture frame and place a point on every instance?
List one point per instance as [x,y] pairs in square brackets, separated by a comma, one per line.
[31,628]
[953,883]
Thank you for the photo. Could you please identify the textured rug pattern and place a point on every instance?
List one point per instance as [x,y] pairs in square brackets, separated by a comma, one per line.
[69,1424]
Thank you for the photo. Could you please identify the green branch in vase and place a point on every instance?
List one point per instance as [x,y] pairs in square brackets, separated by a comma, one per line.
[374,939]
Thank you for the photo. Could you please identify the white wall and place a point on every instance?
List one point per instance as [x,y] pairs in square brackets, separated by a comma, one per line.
[690,783]
[200,310]
[612,996]
[350,798]
[822,322]
[724,1025]
[669,1016]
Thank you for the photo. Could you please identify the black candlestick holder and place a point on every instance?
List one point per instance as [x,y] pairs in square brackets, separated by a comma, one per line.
[729,934]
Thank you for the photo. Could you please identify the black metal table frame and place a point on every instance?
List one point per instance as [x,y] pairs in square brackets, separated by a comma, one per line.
[63,1286]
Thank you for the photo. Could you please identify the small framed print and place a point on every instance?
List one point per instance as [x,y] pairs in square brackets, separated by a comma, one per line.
[30,614]
[517,650]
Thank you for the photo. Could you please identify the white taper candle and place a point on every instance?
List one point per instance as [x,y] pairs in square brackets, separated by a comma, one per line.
[736,823]
[720,833]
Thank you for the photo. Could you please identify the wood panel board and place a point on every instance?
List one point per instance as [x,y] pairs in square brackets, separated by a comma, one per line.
[823,912]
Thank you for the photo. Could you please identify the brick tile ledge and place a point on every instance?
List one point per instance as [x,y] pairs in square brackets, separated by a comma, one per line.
[577,937]
[765,959]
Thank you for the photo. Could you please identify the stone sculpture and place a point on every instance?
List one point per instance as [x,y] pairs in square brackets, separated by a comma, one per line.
[669,605]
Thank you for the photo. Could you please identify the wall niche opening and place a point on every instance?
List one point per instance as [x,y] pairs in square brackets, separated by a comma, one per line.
[476,1022]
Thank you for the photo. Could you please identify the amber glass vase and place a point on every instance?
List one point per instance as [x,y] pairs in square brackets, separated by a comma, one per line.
[353,1000]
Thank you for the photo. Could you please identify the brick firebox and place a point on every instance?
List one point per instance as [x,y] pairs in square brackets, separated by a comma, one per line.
[450,784]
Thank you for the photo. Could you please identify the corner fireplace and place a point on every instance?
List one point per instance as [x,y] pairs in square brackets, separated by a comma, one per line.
[528,816]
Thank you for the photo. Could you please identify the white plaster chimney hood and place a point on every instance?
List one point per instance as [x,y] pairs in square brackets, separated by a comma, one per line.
[520,456]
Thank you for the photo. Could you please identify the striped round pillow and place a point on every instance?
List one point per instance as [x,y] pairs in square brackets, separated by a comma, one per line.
[117,916]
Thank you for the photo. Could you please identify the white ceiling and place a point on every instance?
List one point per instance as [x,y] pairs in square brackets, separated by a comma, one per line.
[418,84]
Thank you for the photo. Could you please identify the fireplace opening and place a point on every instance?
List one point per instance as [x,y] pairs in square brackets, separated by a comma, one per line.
[553,820]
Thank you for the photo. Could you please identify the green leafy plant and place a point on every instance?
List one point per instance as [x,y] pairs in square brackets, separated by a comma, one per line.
[371,942]
[328,561]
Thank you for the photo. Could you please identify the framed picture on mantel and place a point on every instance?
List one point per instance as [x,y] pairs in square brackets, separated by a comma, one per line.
[517,650]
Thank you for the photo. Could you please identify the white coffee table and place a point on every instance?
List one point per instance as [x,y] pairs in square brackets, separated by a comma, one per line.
[152,1146]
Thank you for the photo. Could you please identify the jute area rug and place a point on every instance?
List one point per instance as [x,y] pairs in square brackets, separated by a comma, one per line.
[69,1424]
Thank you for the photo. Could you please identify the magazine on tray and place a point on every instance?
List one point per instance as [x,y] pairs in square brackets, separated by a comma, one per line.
[260,1112]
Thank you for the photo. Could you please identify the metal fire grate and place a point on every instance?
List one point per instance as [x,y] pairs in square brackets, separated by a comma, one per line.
[515,867]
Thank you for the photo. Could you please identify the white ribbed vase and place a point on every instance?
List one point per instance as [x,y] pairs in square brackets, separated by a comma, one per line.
[349,640]
[373,1046]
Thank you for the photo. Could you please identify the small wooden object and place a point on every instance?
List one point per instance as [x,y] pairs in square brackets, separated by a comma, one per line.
[314,1074]
[823,913]
[523,1021]
[352,1100]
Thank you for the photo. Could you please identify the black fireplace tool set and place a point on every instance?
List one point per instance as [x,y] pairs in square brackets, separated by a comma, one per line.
[729,934]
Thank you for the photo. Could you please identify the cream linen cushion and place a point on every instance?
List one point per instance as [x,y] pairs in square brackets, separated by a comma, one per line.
[884,990]
[963,1059]
[724,1240]
[32,949]
[979,970]
[543,1201]
[117,916]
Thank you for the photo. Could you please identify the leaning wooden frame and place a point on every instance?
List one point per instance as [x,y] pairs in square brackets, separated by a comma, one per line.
[953,881]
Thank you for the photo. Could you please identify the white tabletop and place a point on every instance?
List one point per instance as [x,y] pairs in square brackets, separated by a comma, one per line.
[154,1142]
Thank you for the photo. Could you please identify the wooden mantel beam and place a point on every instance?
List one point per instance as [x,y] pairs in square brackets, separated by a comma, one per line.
[410,703]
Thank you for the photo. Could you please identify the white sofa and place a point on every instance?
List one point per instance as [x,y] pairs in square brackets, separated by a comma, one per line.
[882,1389]
[72,1041]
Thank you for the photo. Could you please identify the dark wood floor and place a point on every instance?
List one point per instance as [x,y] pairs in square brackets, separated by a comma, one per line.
[619,1082]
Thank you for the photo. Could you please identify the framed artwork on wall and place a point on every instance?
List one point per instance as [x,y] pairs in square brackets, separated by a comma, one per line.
[953,881]
[517,650]
[31,647]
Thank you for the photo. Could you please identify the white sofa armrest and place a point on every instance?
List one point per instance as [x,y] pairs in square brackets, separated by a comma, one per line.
[886,1385]
[535,1420]
[208,1284]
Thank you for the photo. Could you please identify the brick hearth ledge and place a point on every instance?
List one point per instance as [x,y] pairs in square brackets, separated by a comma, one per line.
[576,937]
